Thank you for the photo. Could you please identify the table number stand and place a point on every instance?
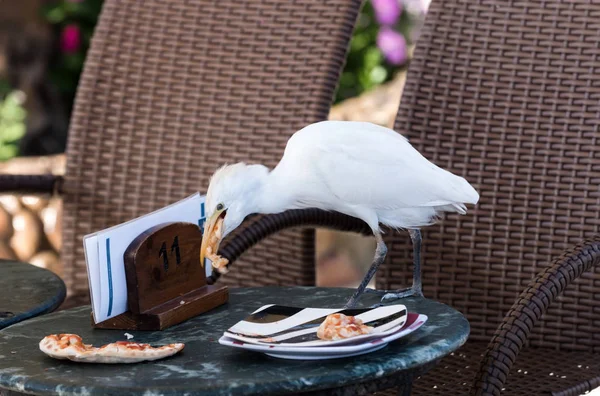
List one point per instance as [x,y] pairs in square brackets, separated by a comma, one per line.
[166,283]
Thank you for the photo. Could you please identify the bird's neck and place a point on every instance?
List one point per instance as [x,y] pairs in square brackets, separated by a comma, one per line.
[274,196]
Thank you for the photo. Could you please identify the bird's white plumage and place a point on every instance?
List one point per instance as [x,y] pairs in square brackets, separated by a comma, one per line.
[356,168]
[363,169]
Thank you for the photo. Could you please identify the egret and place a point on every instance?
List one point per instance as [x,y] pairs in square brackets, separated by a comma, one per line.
[357,168]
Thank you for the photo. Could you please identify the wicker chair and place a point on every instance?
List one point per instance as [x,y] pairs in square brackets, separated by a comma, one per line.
[507,94]
[174,88]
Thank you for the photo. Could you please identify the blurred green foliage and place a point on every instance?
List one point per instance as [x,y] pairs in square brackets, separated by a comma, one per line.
[365,66]
[12,123]
[68,64]
[4,88]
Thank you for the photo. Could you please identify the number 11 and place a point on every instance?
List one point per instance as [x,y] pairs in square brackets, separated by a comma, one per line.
[163,253]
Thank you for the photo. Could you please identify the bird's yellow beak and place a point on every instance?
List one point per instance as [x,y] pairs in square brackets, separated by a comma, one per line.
[208,237]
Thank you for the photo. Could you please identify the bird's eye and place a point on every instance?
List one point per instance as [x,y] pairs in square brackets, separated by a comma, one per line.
[220,206]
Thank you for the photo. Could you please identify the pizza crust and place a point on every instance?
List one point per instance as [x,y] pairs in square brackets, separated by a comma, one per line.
[339,326]
[219,263]
[71,346]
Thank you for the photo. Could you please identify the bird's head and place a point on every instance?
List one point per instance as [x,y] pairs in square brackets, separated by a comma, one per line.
[232,195]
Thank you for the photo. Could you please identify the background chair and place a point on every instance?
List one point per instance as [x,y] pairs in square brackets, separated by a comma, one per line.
[506,94]
[173,89]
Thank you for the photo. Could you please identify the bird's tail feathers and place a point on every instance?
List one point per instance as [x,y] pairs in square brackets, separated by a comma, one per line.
[460,208]
[469,194]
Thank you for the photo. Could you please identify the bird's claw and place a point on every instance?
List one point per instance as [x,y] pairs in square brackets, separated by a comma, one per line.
[397,295]
[390,297]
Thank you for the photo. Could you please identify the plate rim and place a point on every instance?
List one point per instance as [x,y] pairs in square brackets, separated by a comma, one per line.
[327,356]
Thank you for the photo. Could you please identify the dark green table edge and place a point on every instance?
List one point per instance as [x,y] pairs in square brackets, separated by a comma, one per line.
[47,307]
[360,386]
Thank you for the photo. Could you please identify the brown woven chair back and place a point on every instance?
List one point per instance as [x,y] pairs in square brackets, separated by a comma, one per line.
[507,94]
[173,89]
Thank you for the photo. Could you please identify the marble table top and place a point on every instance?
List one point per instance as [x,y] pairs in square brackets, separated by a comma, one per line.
[208,368]
[27,291]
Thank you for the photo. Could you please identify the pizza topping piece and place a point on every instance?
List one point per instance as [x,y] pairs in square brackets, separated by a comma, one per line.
[219,263]
[71,346]
[339,326]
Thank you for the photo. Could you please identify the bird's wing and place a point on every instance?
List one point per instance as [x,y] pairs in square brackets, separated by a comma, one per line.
[365,164]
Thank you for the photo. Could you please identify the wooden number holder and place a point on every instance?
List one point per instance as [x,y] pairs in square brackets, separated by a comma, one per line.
[166,283]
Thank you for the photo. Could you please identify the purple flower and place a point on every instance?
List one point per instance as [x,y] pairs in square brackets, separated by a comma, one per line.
[70,40]
[387,12]
[393,45]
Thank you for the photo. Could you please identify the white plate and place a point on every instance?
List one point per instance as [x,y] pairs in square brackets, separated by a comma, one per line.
[413,322]
[297,327]
[318,357]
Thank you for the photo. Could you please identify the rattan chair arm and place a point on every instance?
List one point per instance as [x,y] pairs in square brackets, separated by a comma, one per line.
[30,184]
[271,224]
[532,303]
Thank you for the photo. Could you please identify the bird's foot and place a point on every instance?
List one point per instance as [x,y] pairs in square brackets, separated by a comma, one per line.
[396,295]
[351,303]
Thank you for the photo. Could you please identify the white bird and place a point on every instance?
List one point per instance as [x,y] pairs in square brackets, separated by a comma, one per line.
[356,168]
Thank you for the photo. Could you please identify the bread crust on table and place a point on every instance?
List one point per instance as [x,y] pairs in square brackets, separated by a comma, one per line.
[71,347]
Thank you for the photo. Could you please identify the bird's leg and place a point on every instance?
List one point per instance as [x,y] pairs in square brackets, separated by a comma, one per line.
[417,287]
[380,253]
[415,237]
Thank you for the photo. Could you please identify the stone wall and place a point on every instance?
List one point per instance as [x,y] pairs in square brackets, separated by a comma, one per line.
[30,226]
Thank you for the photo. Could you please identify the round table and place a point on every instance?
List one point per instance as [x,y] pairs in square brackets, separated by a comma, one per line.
[27,291]
[208,368]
